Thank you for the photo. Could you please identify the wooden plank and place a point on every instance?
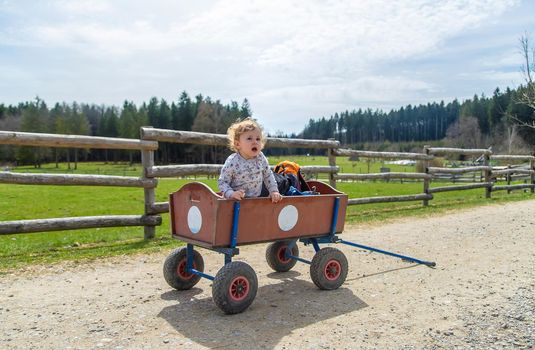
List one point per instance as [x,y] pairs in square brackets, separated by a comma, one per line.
[437,170]
[382,176]
[459,187]
[75,180]
[382,155]
[405,198]
[201,138]
[74,223]
[73,141]
[444,150]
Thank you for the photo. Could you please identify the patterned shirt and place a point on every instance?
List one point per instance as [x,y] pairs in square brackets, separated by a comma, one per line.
[239,173]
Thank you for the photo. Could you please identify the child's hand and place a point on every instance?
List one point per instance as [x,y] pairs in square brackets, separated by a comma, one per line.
[238,195]
[275,197]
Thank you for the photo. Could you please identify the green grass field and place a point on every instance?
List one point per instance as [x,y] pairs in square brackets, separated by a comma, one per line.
[19,202]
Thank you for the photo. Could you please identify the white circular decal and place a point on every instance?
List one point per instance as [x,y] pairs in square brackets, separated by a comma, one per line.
[288,217]
[194,219]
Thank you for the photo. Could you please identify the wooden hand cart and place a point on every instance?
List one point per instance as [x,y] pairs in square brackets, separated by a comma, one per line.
[200,217]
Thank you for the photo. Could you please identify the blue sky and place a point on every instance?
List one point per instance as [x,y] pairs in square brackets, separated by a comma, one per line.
[292,60]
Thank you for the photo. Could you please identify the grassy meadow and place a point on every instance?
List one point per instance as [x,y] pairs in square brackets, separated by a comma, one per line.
[19,202]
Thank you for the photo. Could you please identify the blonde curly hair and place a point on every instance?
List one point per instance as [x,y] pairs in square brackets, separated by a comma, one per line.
[241,126]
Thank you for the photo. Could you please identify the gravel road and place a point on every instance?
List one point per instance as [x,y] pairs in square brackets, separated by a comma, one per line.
[481,295]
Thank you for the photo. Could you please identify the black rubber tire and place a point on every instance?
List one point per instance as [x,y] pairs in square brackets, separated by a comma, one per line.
[275,256]
[174,269]
[234,287]
[328,269]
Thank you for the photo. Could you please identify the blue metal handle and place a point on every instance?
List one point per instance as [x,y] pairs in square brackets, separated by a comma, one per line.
[404,257]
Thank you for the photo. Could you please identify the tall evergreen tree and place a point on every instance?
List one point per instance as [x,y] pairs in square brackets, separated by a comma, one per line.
[34,119]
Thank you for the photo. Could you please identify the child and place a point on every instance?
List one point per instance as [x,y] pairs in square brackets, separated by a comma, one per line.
[244,171]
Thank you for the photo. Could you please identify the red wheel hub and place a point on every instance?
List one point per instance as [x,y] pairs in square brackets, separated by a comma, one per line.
[281,254]
[332,270]
[239,288]
[181,270]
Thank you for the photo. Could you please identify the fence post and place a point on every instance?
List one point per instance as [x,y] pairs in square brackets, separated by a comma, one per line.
[486,162]
[425,166]
[508,178]
[332,163]
[147,160]
[532,167]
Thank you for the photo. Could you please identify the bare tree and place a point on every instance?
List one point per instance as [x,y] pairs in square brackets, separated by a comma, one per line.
[465,133]
[526,94]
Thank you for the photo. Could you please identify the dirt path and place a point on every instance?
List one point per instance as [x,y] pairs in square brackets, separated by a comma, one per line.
[481,295]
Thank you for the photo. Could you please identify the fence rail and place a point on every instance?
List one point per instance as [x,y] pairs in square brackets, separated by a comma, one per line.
[389,199]
[512,157]
[383,176]
[76,180]
[58,224]
[460,187]
[148,144]
[437,170]
[381,155]
[73,141]
[513,187]
[199,138]
[512,171]
[463,151]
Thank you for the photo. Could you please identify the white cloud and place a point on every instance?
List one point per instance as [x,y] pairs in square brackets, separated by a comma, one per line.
[82,7]
[289,58]
[275,32]
[513,78]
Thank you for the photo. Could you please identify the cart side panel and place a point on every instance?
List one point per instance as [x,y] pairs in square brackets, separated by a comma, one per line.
[193,210]
[293,217]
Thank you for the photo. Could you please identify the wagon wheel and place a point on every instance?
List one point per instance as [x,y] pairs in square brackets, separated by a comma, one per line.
[328,269]
[174,269]
[234,287]
[276,258]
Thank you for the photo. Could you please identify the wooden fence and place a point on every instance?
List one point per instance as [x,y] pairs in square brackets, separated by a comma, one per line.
[85,142]
[151,172]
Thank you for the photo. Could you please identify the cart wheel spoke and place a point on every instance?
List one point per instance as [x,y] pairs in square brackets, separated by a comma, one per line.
[239,288]
[332,270]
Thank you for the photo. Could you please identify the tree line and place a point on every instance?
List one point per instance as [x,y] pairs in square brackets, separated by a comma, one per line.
[198,114]
[478,122]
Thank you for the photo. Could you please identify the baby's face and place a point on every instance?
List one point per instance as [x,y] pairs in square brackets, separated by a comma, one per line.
[249,144]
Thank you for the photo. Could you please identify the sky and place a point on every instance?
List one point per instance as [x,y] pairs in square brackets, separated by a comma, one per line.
[293,60]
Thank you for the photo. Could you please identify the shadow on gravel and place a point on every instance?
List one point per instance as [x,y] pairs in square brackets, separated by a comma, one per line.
[277,310]
[384,272]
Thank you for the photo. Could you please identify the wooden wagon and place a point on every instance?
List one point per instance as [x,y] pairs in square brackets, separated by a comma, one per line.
[200,217]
